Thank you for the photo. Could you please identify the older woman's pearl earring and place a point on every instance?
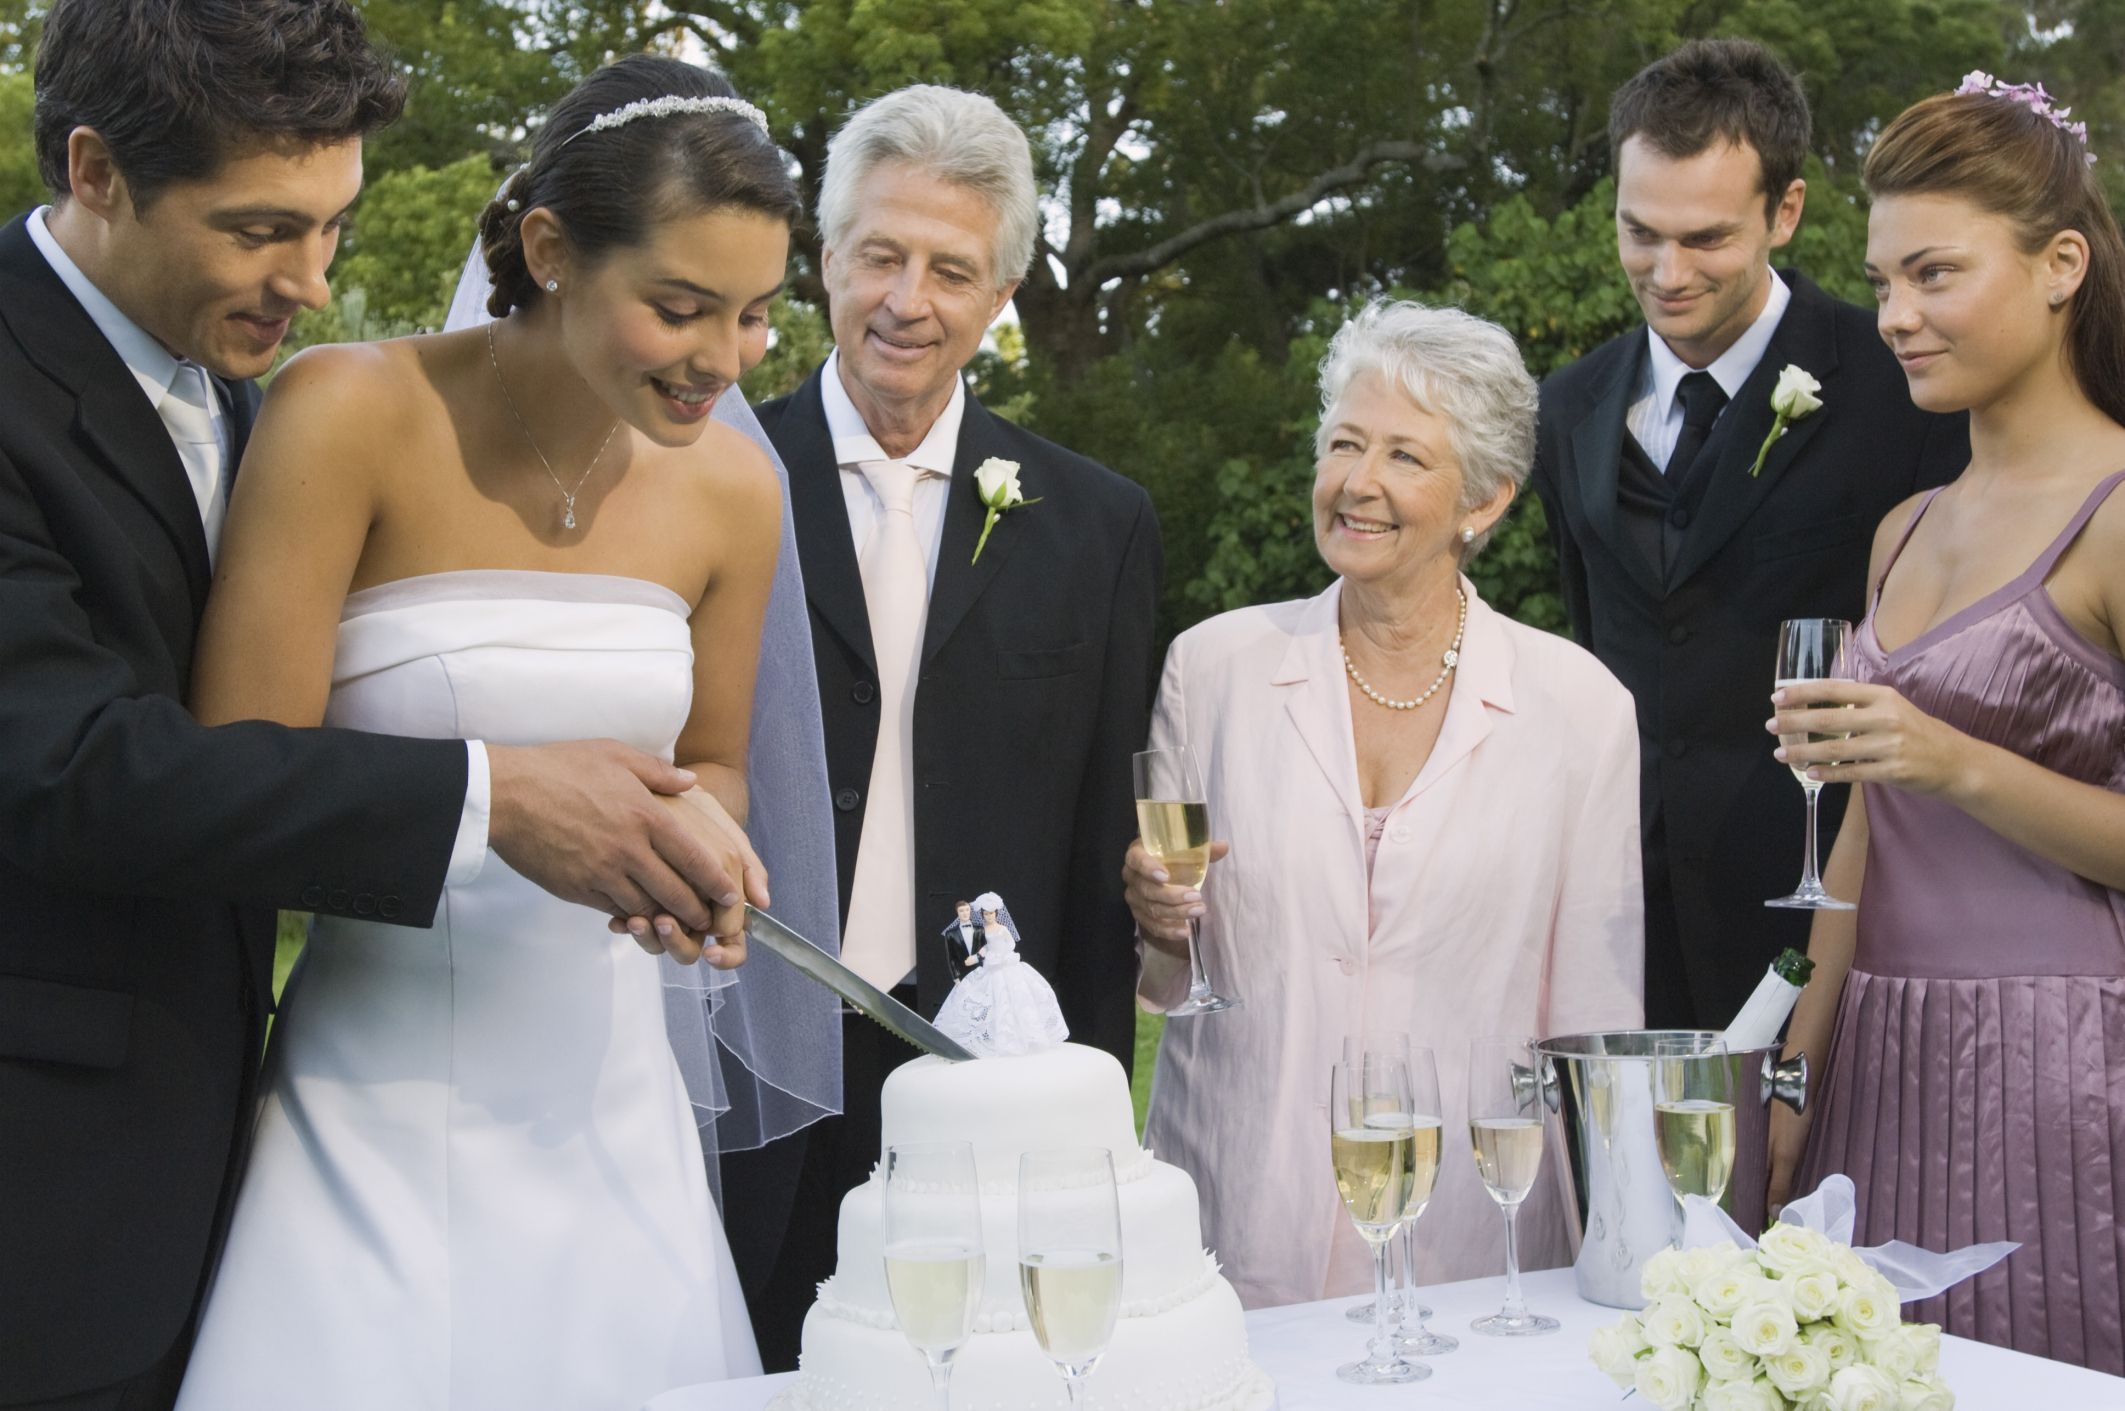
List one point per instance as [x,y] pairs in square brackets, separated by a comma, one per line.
[1468,533]
[553,286]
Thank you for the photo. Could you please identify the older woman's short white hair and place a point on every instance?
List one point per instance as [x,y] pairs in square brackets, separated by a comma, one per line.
[955,136]
[1453,365]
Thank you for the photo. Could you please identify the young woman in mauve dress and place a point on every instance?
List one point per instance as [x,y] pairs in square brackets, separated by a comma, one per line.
[1969,1017]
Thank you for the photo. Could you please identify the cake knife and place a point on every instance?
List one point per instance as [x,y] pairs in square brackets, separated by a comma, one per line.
[872,1002]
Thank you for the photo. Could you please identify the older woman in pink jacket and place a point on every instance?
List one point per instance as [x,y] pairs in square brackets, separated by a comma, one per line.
[1432,820]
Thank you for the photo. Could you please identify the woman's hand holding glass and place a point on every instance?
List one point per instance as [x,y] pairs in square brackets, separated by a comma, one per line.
[1172,812]
[1885,739]
[1811,654]
[935,1266]
[1161,906]
[1373,1146]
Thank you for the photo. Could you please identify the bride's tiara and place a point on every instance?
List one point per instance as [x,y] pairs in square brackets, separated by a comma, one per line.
[668,106]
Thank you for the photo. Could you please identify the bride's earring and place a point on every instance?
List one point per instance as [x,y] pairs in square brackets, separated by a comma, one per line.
[553,286]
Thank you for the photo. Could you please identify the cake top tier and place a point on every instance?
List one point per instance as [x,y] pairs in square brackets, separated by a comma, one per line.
[1067,1096]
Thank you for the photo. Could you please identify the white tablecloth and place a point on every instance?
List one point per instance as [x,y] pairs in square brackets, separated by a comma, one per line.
[1301,1346]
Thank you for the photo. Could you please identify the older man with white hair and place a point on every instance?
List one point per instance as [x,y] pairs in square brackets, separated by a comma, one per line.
[982,605]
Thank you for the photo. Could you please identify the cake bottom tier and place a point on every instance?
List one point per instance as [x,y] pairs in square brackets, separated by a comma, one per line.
[1189,1358]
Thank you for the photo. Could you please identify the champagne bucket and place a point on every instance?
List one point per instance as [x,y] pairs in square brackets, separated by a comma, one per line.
[1601,1107]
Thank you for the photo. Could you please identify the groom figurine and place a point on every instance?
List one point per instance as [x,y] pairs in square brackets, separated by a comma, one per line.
[962,939]
[927,214]
[1678,564]
[141,856]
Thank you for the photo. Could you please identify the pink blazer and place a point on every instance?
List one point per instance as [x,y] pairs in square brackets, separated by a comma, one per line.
[1508,899]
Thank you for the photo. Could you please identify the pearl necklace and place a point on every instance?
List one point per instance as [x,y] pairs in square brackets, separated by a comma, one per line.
[1452,658]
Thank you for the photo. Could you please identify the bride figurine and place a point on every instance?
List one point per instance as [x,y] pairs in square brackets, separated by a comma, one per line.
[1003,1007]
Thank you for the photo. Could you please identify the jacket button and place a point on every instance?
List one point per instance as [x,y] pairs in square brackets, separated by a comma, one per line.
[1679,517]
[1677,748]
[389,908]
[863,693]
[336,901]
[313,897]
[364,904]
[1678,634]
[847,800]
[1398,834]
[1347,966]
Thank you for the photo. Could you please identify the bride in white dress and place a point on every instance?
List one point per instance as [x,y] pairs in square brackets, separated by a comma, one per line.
[477,1181]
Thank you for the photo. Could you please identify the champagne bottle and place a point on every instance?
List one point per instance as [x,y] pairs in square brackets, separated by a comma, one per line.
[1765,1014]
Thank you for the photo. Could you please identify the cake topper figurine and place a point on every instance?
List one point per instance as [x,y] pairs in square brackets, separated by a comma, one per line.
[999,1005]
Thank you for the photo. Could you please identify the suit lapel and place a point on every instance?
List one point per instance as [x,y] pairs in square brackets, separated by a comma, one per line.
[833,581]
[959,579]
[1807,337]
[1311,675]
[112,416]
[1597,455]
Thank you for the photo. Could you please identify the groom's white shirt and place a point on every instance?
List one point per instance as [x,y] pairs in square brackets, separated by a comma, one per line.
[156,369]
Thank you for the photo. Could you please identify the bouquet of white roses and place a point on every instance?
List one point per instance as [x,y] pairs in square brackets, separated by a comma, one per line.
[1799,1323]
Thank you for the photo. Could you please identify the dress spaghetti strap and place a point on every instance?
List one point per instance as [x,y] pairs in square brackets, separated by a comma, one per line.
[2041,569]
[1902,539]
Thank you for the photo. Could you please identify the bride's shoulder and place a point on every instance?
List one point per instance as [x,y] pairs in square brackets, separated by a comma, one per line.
[732,475]
[353,385]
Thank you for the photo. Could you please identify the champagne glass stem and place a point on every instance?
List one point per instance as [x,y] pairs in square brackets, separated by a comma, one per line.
[1074,1388]
[1515,1304]
[941,1381]
[1198,974]
[1406,1310]
[1383,1348]
[1810,879]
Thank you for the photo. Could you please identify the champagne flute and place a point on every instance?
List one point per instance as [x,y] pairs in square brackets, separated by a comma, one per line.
[1505,1128]
[934,1265]
[1693,1114]
[1429,1140]
[1408,1305]
[1372,1142]
[1174,821]
[1070,1258]
[1810,649]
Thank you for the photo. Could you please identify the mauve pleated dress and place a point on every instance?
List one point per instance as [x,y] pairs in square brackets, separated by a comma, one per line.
[1975,1088]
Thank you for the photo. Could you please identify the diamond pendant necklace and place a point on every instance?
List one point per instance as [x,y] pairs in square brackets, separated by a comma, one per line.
[1452,658]
[568,496]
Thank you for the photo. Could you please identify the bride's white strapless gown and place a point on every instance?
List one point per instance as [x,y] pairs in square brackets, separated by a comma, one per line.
[476,1181]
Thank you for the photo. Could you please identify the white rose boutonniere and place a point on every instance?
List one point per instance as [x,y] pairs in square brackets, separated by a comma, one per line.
[996,481]
[1793,398]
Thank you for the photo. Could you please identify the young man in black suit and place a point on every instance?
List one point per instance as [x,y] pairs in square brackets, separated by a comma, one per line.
[142,856]
[1020,783]
[1678,564]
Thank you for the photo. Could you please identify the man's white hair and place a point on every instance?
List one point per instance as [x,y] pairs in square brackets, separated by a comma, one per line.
[958,137]
[1454,365]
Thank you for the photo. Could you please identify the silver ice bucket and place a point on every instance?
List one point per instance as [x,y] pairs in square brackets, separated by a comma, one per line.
[1601,1106]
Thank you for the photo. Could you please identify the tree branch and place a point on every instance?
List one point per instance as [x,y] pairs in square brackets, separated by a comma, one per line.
[1262,215]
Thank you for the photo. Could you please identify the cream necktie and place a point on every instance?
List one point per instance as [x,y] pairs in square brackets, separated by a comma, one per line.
[878,942]
[187,409]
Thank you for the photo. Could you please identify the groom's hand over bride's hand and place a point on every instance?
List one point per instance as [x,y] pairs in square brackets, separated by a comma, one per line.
[723,945]
[587,821]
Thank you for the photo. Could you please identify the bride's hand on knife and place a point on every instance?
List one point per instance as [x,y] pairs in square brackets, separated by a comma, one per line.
[722,945]
[1161,909]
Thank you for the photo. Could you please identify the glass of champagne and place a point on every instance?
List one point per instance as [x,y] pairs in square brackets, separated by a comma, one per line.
[1505,1127]
[1693,1114]
[934,1266]
[1173,818]
[1372,1143]
[1810,649]
[1070,1258]
[1428,1123]
[1423,1342]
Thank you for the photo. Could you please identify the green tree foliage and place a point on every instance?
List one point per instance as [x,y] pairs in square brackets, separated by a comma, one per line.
[21,189]
[1221,184]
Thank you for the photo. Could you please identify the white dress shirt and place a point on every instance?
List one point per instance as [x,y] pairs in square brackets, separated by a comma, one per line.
[1655,414]
[156,369]
[854,444]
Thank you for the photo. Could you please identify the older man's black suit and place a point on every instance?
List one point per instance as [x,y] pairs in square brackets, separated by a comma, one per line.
[1034,688]
[1678,585]
[141,860]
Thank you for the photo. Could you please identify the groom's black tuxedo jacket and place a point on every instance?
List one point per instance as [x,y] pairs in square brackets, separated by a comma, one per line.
[1695,637]
[142,858]
[1035,688]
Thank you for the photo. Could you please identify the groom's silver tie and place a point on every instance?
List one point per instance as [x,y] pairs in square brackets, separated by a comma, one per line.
[187,409]
[879,940]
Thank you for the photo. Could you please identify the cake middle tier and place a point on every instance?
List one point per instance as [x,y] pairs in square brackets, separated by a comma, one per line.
[1163,1259]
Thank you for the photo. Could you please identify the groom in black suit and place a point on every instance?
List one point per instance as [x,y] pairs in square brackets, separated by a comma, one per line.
[142,856]
[1003,760]
[963,938]
[1678,564]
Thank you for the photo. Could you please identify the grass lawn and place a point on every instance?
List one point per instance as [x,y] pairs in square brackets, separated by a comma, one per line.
[294,926]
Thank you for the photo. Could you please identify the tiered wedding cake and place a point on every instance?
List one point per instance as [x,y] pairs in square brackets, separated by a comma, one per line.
[1179,1344]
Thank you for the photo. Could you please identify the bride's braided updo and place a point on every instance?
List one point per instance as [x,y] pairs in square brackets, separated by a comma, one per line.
[612,187]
